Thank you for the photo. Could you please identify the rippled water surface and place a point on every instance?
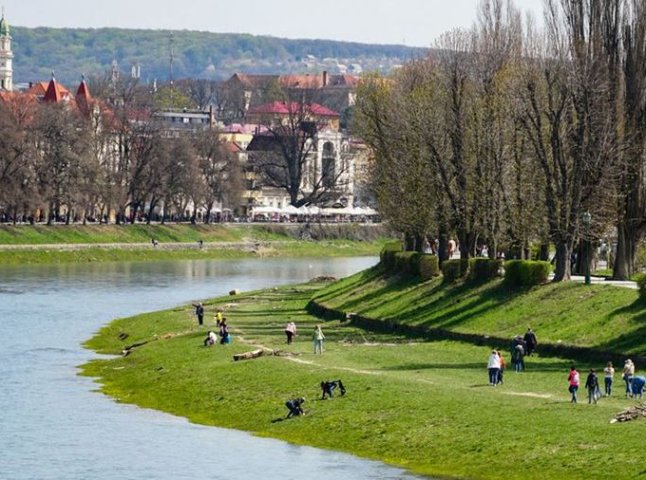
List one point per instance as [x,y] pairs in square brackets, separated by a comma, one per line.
[54,426]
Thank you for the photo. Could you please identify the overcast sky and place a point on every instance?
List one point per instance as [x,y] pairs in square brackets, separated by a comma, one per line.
[409,22]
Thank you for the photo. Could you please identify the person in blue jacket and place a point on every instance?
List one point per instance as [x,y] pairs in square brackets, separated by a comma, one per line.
[638,386]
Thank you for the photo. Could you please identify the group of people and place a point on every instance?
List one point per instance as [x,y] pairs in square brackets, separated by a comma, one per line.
[521,346]
[220,322]
[295,405]
[526,345]
[634,383]
[496,367]
[317,337]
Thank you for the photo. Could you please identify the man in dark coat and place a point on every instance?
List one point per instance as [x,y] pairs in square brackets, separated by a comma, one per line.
[530,341]
[199,311]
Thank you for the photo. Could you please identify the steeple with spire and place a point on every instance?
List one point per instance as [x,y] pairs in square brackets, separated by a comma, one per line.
[6,56]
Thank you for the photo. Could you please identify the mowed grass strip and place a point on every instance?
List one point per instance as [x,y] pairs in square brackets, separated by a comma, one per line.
[425,406]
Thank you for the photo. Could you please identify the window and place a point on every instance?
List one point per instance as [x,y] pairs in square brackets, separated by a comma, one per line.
[328,165]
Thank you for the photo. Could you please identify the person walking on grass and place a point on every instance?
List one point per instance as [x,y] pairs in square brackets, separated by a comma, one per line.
[503,365]
[608,377]
[318,338]
[573,383]
[493,365]
[592,385]
[531,341]
[517,357]
[627,375]
[290,331]
[199,311]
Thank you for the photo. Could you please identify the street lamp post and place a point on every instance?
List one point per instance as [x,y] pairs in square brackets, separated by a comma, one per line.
[587,219]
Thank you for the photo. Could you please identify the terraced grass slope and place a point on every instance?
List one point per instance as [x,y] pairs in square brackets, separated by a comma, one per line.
[602,317]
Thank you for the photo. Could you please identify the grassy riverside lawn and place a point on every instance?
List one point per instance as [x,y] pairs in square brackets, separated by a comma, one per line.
[138,233]
[422,405]
[103,243]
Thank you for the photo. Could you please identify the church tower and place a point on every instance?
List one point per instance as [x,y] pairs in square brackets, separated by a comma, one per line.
[6,56]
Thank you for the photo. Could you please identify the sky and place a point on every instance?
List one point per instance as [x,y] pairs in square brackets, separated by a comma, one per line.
[407,22]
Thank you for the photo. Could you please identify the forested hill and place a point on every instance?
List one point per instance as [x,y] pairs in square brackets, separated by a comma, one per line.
[72,52]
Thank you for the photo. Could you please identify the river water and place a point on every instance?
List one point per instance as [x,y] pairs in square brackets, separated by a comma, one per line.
[53,424]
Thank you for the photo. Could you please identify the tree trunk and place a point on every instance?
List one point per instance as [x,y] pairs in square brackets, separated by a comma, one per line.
[562,271]
[624,262]
[442,249]
[467,244]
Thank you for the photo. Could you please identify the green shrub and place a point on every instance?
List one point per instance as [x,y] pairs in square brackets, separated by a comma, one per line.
[428,266]
[483,269]
[454,269]
[526,273]
[641,284]
[414,263]
[405,262]
[387,255]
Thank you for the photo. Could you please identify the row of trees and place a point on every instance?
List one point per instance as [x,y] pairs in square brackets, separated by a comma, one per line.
[510,133]
[62,162]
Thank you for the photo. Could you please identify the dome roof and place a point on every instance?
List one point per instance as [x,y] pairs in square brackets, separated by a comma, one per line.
[4,27]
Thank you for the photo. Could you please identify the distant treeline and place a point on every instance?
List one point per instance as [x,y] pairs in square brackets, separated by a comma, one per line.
[70,52]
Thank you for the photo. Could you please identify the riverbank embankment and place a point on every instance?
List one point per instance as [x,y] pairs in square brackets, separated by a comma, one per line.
[420,403]
[99,243]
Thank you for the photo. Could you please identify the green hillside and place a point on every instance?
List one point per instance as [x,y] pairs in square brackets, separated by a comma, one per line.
[71,52]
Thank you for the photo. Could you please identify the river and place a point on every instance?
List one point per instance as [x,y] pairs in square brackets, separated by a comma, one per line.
[53,423]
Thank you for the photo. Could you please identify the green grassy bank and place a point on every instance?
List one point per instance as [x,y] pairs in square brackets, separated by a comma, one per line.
[100,243]
[602,317]
[139,233]
[336,248]
[420,404]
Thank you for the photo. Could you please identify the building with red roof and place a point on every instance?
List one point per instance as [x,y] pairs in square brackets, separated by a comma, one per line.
[280,112]
[245,92]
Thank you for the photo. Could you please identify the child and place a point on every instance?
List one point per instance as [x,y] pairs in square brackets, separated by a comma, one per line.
[573,382]
[592,384]
[503,365]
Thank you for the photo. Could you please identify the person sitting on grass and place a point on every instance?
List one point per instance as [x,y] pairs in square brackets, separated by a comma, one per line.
[328,387]
[210,339]
[294,407]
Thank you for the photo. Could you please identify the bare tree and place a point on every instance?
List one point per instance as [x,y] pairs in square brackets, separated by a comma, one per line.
[567,121]
[221,171]
[286,153]
[62,146]
[18,192]
[631,221]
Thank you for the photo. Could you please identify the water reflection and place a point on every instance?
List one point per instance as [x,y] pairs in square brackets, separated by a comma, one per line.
[52,424]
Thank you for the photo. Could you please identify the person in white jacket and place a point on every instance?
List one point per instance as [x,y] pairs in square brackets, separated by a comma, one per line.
[494,367]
